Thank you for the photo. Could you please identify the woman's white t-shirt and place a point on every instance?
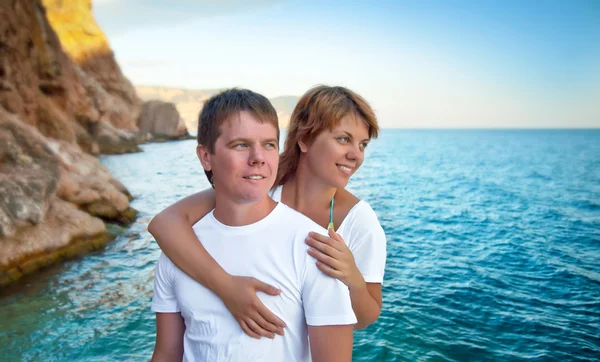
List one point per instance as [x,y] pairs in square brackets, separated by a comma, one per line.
[364,236]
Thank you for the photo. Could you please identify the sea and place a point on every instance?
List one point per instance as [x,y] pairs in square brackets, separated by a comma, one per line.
[493,253]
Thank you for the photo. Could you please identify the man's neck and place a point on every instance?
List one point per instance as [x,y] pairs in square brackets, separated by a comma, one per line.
[305,192]
[232,213]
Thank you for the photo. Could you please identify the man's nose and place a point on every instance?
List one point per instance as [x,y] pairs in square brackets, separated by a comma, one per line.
[257,156]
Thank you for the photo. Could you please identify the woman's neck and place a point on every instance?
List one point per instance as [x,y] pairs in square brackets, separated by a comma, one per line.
[305,193]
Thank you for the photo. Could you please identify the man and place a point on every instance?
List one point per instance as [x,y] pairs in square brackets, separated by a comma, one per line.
[250,234]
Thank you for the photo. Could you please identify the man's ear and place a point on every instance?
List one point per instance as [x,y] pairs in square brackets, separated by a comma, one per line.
[204,157]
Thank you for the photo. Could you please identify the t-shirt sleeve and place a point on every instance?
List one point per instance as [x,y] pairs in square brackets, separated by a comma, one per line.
[164,300]
[367,243]
[326,300]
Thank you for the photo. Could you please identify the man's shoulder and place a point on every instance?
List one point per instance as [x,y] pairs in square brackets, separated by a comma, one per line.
[206,219]
[297,221]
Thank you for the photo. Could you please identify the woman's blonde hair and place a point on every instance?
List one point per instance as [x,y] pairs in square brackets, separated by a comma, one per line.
[320,108]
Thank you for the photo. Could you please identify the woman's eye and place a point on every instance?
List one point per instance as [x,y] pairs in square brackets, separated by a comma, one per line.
[343,139]
[364,145]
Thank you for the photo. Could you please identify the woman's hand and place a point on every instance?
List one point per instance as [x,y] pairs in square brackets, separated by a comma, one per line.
[256,320]
[334,258]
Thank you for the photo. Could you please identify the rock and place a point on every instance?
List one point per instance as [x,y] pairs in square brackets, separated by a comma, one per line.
[83,40]
[54,195]
[53,200]
[63,100]
[85,182]
[161,120]
[111,112]
[112,140]
[29,175]
[64,233]
[45,88]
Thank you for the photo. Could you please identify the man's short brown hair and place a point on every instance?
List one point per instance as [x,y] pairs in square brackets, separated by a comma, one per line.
[225,104]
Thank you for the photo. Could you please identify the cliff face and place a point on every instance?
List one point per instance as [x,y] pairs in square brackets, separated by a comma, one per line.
[46,89]
[85,43]
[87,46]
[57,108]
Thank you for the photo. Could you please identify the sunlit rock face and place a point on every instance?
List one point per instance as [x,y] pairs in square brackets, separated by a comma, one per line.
[83,40]
[63,99]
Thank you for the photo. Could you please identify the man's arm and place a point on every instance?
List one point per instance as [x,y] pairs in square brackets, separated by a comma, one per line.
[170,328]
[331,343]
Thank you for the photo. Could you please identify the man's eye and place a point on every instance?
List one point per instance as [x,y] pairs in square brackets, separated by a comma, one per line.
[240,145]
[271,145]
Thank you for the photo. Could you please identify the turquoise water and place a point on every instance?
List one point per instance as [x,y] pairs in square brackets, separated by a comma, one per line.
[493,254]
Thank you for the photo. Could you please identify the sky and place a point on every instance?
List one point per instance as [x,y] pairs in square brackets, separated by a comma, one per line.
[420,64]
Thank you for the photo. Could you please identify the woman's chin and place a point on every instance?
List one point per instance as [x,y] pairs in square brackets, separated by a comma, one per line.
[339,183]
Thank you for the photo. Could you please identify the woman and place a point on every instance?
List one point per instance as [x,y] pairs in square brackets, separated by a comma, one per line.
[328,132]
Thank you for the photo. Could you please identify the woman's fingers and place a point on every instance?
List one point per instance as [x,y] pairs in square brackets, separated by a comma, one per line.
[334,235]
[263,311]
[334,240]
[334,258]
[258,329]
[265,288]
[322,246]
[324,258]
[253,316]
[248,331]
[324,239]
[327,270]
[266,325]
[269,320]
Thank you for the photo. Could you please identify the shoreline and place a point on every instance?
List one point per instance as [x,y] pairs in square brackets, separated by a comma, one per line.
[30,265]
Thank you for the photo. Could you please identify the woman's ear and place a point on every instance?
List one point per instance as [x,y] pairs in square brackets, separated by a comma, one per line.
[303,146]
[204,157]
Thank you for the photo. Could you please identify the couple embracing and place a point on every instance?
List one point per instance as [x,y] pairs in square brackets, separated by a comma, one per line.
[283,226]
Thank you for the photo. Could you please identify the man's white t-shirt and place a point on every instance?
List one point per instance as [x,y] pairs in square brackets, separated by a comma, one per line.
[272,250]
[364,236]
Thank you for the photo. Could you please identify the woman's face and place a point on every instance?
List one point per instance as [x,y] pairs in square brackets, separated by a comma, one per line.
[335,155]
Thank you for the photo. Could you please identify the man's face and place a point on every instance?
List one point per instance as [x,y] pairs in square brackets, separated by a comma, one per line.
[245,158]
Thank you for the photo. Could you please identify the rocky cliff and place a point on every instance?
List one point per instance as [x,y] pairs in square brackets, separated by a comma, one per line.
[63,99]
